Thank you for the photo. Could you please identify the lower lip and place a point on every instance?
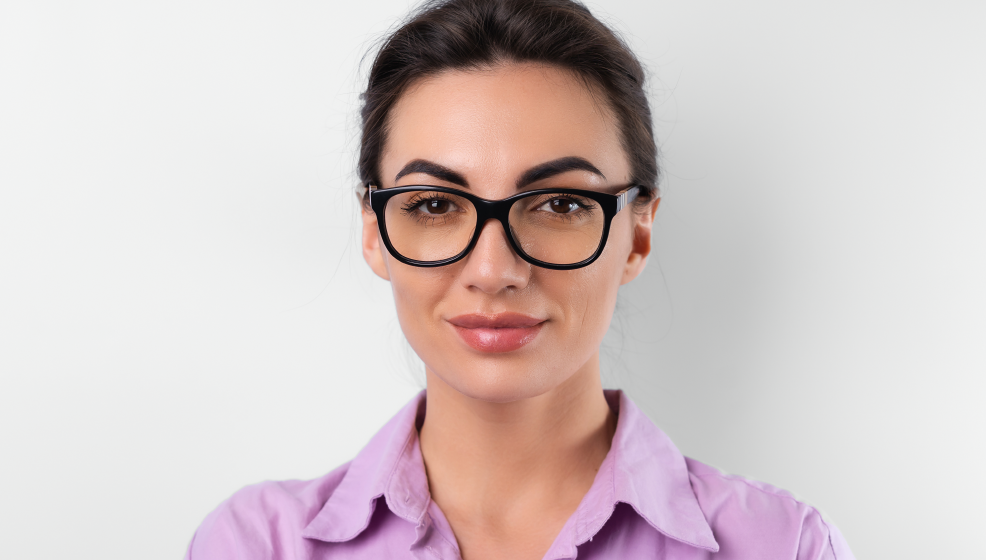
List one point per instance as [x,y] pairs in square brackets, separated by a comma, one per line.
[498,340]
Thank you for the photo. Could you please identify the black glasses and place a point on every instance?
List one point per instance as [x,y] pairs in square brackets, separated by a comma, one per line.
[560,229]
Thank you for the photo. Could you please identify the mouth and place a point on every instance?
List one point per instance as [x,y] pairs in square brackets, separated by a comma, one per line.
[503,332]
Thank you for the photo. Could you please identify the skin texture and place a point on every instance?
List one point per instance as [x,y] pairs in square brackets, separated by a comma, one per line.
[511,441]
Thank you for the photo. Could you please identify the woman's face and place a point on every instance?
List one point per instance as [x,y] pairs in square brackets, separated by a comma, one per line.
[493,326]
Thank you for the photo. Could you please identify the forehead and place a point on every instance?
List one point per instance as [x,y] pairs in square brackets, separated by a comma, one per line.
[493,124]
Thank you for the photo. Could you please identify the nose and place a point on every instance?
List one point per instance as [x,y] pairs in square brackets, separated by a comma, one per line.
[492,266]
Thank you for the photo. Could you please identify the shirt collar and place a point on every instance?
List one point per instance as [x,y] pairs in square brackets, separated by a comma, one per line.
[643,469]
[390,466]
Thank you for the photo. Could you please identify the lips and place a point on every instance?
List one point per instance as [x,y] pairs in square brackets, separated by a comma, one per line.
[504,332]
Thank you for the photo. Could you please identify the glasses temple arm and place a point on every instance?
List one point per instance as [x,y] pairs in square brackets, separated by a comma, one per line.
[627,197]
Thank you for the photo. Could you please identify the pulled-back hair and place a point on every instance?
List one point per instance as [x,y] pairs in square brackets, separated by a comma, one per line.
[474,34]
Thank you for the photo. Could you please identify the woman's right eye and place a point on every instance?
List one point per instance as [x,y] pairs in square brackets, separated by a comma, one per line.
[436,206]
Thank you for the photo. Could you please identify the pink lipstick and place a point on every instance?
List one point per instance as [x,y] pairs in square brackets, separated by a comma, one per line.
[503,332]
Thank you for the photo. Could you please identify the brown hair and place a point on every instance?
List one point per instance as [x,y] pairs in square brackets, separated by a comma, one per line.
[467,34]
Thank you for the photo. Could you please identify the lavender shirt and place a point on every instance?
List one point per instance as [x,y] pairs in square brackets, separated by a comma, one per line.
[647,501]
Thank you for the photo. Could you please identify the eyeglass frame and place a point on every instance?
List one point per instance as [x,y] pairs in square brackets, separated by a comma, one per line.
[611,204]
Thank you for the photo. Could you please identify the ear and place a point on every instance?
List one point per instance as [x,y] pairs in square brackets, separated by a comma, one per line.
[373,249]
[643,225]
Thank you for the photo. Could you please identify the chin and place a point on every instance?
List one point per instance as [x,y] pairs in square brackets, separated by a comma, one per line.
[498,382]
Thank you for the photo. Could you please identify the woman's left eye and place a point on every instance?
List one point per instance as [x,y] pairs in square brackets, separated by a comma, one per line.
[561,206]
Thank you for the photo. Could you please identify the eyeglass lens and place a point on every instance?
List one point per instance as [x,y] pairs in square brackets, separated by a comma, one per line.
[554,228]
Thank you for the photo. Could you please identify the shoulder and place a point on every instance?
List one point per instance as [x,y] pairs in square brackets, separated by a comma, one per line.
[260,520]
[758,518]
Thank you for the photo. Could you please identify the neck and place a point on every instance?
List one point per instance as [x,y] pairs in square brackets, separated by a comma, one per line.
[487,460]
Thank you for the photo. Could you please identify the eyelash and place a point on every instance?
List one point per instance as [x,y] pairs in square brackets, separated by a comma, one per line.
[418,199]
[410,206]
[585,207]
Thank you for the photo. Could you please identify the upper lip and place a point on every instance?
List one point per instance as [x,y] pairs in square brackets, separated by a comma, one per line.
[497,321]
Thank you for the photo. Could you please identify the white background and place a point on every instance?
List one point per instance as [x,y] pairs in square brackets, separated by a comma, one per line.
[183,310]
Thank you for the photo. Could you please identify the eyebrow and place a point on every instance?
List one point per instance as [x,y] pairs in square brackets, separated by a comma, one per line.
[537,173]
[435,170]
[556,167]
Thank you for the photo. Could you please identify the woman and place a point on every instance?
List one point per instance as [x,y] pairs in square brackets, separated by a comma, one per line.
[511,184]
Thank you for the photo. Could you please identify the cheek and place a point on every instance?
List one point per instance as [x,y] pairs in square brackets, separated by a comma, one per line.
[418,290]
[593,289]
[418,294]
[587,297]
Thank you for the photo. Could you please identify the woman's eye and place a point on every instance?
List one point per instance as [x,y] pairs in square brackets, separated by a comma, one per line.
[562,205]
[437,206]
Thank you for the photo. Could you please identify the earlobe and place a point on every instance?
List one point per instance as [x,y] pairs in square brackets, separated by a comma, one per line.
[637,259]
[373,250]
